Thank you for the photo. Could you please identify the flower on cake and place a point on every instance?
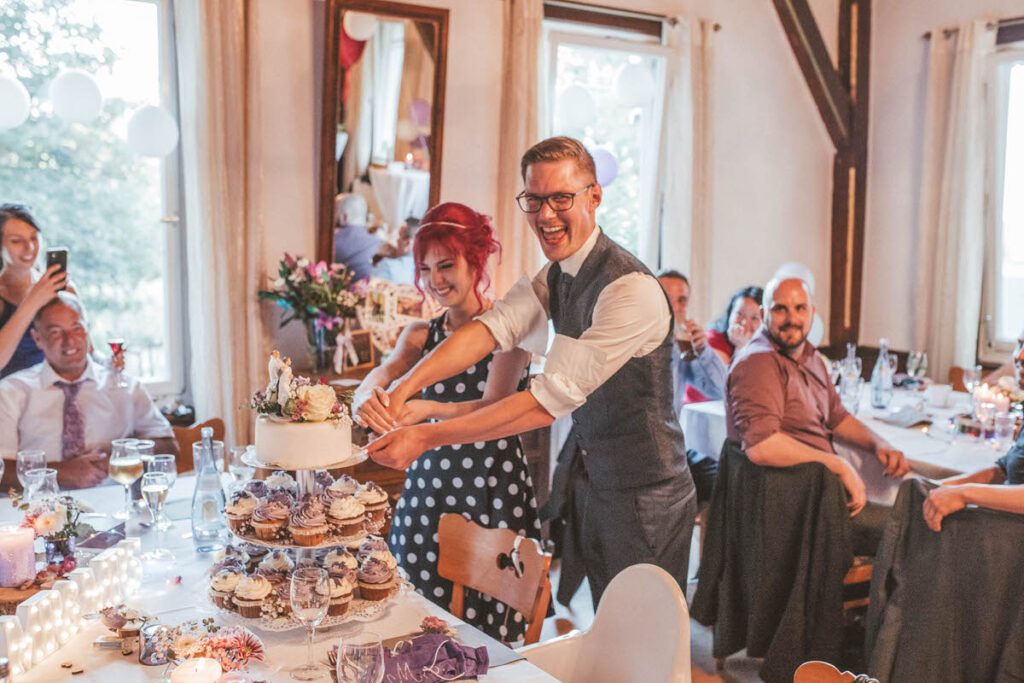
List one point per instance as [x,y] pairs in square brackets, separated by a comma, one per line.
[297,398]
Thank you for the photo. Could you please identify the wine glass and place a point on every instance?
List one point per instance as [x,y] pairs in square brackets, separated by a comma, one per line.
[166,464]
[310,596]
[41,483]
[125,466]
[155,486]
[922,365]
[239,470]
[913,361]
[28,459]
[361,659]
[972,378]
[118,347]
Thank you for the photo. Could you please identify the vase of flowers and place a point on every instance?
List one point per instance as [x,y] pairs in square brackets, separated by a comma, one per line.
[55,520]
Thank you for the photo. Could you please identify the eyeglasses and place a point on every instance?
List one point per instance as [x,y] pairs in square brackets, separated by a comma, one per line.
[558,201]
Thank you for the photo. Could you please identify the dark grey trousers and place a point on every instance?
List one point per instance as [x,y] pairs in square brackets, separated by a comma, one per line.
[622,527]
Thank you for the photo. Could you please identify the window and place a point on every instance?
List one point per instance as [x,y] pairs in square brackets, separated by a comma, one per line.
[114,210]
[607,89]
[1003,316]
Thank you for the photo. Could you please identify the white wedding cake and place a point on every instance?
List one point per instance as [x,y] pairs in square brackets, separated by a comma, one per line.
[301,425]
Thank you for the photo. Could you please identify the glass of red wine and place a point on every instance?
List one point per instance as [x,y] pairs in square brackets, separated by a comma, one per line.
[118,347]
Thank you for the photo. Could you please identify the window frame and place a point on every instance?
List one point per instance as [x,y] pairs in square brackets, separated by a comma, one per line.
[990,348]
[558,33]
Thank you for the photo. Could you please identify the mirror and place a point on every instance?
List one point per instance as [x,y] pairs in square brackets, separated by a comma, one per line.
[381,133]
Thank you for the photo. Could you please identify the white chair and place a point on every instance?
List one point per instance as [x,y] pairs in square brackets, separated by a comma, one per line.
[641,634]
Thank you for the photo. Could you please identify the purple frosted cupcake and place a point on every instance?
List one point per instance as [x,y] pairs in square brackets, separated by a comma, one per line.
[309,523]
[376,580]
[269,519]
[375,499]
[276,566]
[369,545]
[342,487]
[239,510]
[342,563]
[257,487]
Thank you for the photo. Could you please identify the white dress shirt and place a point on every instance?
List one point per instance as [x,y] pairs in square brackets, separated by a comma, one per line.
[631,319]
[32,410]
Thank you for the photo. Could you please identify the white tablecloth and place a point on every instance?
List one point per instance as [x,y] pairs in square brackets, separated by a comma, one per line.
[174,602]
[932,452]
[401,192]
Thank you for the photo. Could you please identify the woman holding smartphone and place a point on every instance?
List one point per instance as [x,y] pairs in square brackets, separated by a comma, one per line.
[24,289]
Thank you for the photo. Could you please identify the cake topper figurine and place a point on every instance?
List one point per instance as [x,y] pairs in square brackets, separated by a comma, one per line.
[279,369]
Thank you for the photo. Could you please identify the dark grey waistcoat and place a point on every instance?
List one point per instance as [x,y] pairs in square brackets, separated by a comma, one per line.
[627,431]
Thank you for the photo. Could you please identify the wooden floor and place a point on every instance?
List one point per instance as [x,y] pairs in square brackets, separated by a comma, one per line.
[580,614]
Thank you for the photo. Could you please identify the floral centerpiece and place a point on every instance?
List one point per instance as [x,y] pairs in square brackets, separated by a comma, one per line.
[233,647]
[298,399]
[321,296]
[56,521]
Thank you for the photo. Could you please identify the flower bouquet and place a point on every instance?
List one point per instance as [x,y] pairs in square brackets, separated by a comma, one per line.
[320,296]
[56,521]
[233,647]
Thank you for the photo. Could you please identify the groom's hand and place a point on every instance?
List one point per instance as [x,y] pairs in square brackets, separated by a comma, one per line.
[398,448]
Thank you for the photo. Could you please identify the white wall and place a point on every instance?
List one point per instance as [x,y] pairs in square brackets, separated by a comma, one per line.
[899,60]
[771,165]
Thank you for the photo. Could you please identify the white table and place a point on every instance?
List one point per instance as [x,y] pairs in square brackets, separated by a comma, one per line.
[932,452]
[401,192]
[175,602]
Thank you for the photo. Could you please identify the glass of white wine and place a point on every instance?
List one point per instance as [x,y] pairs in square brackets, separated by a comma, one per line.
[310,596]
[125,468]
[155,486]
[167,464]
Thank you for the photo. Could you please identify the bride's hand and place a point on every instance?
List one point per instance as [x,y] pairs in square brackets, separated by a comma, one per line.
[416,411]
[371,410]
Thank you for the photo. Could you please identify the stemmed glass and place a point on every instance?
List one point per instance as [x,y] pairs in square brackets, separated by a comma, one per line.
[155,486]
[29,459]
[118,347]
[240,472]
[41,483]
[166,464]
[972,378]
[310,597]
[125,467]
[361,659]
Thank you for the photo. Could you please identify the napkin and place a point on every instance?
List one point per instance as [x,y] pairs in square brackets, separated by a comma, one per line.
[433,658]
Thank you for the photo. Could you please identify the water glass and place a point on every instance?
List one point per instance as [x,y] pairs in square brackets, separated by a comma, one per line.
[310,597]
[155,486]
[41,483]
[1005,423]
[849,393]
[972,378]
[361,659]
[29,459]
[239,471]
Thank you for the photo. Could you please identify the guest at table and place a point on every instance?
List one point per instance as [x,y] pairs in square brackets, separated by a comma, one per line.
[72,407]
[731,332]
[782,408]
[695,366]
[1000,487]
[631,500]
[1014,367]
[354,246]
[486,481]
[24,289]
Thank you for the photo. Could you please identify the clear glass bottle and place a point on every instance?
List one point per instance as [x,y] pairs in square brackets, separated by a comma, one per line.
[208,527]
[882,377]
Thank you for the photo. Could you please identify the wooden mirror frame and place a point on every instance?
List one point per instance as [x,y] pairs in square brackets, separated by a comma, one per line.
[329,113]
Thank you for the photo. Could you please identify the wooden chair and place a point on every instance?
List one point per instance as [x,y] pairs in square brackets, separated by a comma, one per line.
[823,672]
[472,556]
[956,378]
[859,574]
[186,436]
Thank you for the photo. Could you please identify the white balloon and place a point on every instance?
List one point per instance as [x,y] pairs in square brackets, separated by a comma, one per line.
[793,269]
[14,102]
[576,108]
[634,85]
[359,26]
[152,132]
[817,332]
[76,97]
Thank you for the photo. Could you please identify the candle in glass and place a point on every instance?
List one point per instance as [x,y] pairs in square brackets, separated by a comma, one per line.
[199,670]
[17,557]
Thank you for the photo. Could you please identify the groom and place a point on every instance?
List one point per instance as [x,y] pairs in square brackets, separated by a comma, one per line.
[609,365]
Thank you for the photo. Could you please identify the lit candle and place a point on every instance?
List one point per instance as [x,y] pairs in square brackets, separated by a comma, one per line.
[408,160]
[200,670]
[17,557]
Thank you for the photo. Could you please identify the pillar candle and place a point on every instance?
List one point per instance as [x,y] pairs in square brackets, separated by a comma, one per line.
[199,670]
[17,556]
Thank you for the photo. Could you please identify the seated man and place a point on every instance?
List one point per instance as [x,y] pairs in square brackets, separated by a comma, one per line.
[1000,487]
[70,406]
[354,246]
[781,406]
[694,362]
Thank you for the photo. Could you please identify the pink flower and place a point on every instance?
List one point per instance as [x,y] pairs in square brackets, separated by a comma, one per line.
[289,260]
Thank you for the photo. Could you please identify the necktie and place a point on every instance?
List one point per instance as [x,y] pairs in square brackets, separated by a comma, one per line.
[72,436]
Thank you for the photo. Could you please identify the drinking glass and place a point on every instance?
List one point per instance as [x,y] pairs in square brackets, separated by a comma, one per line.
[118,347]
[240,472]
[28,460]
[913,362]
[972,378]
[361,659]
[155,486]
[310,596]
[166,464]
[125,467]
[849,394]
[922,365]
[41,483]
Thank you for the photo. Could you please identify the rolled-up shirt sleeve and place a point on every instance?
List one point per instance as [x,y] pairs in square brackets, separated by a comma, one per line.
[707,372]
[631,318]
[520,318]
[757,398]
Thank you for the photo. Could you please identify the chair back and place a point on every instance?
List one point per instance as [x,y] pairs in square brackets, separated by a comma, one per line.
[956,378]
[186,436]
[471,556]
[823,672]
[641,631]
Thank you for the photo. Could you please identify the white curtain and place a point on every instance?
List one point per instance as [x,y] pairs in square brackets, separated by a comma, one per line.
[388,48]
[951,201]
[520,254]
[686,153]
[224,244]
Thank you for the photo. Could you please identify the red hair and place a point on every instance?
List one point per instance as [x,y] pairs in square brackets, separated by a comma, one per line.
[462,231]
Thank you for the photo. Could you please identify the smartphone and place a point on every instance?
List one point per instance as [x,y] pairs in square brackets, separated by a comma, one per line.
[58,256]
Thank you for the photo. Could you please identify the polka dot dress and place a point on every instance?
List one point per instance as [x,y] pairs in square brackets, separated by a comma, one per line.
[486,482]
